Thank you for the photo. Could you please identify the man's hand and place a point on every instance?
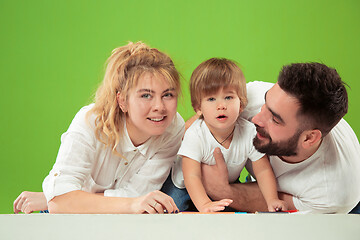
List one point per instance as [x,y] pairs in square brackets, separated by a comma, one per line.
[215,177]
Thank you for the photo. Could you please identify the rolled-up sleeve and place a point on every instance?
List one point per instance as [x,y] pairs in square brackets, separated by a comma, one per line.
[73,163]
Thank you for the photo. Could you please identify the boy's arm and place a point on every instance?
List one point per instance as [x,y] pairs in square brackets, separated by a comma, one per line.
[196,190]
[247,196]
[267,183]
[192,178]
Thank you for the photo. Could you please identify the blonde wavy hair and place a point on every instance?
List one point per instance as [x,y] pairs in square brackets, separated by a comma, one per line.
[124,68]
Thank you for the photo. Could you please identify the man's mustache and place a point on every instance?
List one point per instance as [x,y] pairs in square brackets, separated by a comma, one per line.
[262,131]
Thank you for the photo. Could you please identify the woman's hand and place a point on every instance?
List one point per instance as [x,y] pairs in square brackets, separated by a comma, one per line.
[28,202]
[154,202]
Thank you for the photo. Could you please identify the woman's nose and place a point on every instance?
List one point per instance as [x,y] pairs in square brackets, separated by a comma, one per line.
[159,104]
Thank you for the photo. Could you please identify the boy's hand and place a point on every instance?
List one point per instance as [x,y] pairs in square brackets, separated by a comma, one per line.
[277,205]
[215,206]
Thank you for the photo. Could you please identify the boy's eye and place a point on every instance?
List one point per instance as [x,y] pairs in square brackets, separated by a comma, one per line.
[211,99]
[228,97]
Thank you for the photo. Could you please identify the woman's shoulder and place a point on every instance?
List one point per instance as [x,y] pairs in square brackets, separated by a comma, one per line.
[84,118]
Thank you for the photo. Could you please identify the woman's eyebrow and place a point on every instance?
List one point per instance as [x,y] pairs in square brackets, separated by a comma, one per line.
[168,90]
[145,90]
[152,91]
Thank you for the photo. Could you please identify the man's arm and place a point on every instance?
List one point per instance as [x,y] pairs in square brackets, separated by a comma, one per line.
[246,196]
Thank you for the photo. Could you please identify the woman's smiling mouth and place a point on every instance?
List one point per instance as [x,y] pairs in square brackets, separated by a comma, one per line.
[157,119]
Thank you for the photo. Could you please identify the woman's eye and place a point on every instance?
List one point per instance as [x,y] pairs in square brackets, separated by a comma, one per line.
[146,96]
[168,95]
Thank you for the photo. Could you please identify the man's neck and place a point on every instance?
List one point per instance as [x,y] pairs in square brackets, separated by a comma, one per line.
[302,155]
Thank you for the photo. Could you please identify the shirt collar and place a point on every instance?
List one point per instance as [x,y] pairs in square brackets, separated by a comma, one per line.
[128,146]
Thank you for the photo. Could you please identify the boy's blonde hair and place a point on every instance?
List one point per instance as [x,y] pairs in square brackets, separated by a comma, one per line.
[124,68]
[212,75]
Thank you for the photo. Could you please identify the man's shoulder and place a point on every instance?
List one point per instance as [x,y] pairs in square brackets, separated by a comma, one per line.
[256,98]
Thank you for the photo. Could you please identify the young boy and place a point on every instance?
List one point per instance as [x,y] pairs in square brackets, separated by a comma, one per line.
[218,95]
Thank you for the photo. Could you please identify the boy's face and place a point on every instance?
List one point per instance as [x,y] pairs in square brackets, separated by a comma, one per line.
[220,110]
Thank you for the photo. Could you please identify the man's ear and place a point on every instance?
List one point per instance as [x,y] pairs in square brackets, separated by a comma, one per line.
[121,99]
[311,138]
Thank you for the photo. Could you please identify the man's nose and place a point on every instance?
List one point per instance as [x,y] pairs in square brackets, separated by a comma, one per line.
[258,119]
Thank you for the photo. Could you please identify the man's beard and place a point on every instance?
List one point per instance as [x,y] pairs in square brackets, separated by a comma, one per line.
[283,148]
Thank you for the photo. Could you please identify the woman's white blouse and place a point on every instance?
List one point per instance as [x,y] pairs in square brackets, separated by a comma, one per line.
[83,163]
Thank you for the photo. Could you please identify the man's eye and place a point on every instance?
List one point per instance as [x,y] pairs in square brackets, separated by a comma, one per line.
[275,121]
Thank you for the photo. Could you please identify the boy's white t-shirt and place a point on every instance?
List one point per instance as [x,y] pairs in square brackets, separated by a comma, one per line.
[199,145]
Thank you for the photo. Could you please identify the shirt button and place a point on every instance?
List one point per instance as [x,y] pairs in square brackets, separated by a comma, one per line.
[56,174]
[125,163]
[134,150]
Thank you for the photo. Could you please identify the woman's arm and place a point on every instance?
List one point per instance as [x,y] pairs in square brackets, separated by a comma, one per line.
[84,202]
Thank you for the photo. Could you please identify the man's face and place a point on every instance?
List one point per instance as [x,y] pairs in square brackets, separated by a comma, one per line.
[277,125]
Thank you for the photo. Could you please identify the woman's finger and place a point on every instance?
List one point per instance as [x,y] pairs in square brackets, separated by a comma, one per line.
[158,208]
[16,202]
[167,202]
[19,204]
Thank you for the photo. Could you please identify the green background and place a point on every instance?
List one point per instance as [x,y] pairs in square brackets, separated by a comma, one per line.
[53,53]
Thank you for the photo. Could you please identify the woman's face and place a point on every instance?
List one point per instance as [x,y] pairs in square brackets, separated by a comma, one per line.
[150,107]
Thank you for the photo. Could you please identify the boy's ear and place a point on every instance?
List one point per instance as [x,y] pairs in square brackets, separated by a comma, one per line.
[311,137]
[241,107]
[121,99]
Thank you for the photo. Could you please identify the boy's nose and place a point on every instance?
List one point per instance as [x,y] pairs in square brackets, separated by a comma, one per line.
[221,106]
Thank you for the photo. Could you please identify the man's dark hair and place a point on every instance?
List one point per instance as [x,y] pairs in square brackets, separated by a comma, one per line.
[320,91]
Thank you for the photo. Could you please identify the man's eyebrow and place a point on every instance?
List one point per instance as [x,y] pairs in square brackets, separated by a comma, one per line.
[277,116]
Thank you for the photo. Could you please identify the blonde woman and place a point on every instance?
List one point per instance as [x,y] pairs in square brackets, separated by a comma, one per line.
[118,152]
